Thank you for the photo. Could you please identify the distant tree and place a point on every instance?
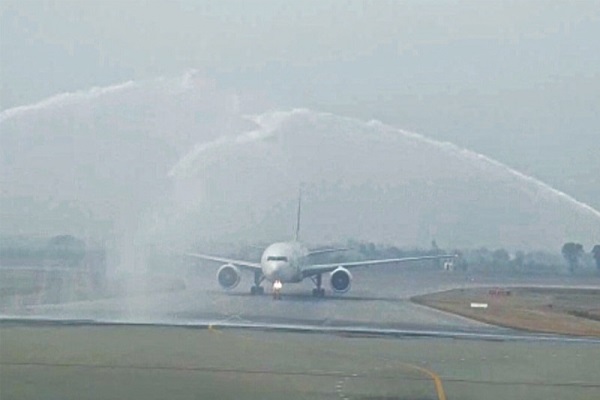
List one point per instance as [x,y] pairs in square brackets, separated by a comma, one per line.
[368,249]
[66,247]
[372,249]
[519,260]
[500,258]
[394,252]
[596,255]
[482,258]
[460,263]
[435,250]
[65,242]
[572,252]
[540,261]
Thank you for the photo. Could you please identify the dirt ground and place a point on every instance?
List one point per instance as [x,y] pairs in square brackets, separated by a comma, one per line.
[550,310]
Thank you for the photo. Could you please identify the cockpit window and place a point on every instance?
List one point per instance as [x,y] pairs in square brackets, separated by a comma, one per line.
[277,258]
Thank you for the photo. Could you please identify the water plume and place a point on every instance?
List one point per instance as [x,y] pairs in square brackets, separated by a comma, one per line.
[175,159]
[64,100]
[289,147]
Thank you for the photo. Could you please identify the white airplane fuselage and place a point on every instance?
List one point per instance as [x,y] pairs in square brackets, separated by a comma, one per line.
[283,261]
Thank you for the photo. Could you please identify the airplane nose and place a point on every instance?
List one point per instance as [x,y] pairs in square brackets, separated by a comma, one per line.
[275,269]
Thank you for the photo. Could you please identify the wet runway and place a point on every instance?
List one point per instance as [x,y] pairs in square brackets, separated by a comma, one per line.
[373,301]
[379,299]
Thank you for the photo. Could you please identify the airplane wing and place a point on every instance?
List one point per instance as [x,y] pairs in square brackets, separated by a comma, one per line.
[327,250]
[238,263]
[316,269]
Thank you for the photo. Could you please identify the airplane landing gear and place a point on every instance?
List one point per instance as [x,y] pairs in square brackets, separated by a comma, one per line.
[318,291]
[257,289]
[277,285]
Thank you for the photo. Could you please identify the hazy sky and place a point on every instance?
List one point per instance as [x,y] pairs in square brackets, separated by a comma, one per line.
[518,81]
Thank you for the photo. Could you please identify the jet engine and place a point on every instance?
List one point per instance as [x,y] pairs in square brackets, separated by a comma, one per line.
[340,280]
[228,276]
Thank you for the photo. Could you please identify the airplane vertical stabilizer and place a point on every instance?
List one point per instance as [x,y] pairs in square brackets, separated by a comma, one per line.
[296,236]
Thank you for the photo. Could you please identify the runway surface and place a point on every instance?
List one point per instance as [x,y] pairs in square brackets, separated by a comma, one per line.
[370,344]
[377,300]
[149,362]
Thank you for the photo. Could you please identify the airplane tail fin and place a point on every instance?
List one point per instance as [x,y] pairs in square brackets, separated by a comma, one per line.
[297,235]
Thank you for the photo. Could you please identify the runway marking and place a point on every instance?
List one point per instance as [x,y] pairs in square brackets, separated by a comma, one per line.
[339,388]
[437,381]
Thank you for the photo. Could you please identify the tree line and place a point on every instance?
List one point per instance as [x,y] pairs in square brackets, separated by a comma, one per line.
[483,259]
[574,252]
[62,247]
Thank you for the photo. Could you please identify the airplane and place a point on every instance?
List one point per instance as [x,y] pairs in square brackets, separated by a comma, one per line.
[290,262]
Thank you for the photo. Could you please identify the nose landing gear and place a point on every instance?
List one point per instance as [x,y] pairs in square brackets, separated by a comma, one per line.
[277,285]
